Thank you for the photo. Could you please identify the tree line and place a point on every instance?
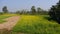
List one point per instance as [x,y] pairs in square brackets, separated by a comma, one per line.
[33,11]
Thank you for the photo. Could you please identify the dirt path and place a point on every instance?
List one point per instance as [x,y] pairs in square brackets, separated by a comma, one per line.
[11,22]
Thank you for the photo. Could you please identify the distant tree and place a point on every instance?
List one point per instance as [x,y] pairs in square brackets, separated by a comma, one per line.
[55,12]
[4,9]
[17,12]
[33,10]
[38,10]
[23,11]
[41,11]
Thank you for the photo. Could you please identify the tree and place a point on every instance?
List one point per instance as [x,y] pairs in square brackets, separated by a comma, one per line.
[55,12]
[38,10]
[17,12]
[52,12]
[4,9]
[41,11]
[33,10]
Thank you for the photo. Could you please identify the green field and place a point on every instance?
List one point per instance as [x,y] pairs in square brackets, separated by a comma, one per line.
[36,24]
[4,16]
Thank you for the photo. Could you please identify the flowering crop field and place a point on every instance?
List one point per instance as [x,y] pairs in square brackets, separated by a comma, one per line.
[36,24]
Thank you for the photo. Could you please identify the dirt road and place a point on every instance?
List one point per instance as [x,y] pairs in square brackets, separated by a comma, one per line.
[11,22]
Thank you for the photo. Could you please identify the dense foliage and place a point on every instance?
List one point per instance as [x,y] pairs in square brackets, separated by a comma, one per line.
[55,12]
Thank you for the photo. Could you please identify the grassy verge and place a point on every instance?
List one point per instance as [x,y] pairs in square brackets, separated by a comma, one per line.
[2,21]
[33,24]
[5,16]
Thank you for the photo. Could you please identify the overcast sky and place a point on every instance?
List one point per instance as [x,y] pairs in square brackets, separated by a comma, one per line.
[14,5]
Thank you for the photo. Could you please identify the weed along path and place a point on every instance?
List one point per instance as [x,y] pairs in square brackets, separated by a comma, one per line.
[11,22]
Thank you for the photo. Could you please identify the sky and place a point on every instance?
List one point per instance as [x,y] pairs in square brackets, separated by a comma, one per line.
[14,5]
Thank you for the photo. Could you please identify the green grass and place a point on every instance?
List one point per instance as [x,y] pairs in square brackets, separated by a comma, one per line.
[34,24]
[4,16]
[2,21]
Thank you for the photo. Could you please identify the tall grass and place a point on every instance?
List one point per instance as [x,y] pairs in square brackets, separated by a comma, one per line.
[34,24]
